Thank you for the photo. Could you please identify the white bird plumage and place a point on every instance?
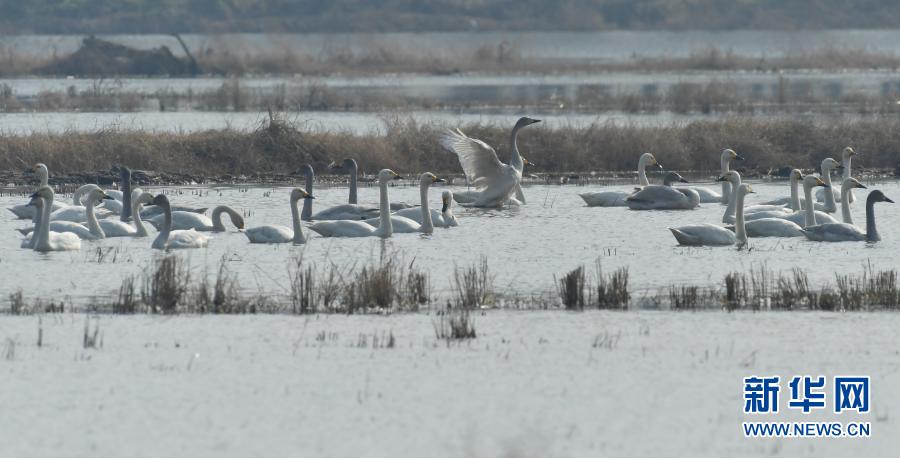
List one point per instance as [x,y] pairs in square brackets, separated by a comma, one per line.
[348,228]
[664,197]
[712,235]
[43,239]
[169,239]
[282,234]
[617,198]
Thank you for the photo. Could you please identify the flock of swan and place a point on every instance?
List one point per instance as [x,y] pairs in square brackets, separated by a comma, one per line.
[91,216]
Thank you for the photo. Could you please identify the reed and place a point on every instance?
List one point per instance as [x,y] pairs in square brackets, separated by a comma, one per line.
[571,289]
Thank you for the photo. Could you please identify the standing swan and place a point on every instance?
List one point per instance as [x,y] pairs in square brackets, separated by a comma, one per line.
[347,228]
[174,240]
[282,234]
[665,197]
[182,220]
[495,182]
[712,235]
[43,239]
[843,232]
[617,198]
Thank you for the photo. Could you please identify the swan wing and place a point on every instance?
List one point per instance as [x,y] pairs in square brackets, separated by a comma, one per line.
[834,232]
[186,239]
[772,227]
[270,234]
[703,234]
[343,228]
[605,198]
[117,228]
[478,160]
[346,212]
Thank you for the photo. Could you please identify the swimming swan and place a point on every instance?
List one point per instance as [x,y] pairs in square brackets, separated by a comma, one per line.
[139,198]
[167,239]
[78,213]
[415,219]
[664,197]
[617,198]
[349,211]
[828,165]
[793,201]
[495,182]
[44,239]
[712,235]
[708,196]
[182,220]
[282,234]
[796,217]
[25,211]
[843,232]
[347,228]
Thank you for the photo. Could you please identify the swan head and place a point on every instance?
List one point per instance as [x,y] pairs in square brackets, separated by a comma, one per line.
[848,151]
[746,189]
[346,164]
[830,164]
[446,200]
[40,168]
[297,194]
[526,121]
[429,178]
[812,181]
[732,177]
[673,177]
[878,196]
[796,174]
[386,175]
[730,154]
[527,162]
[650,159]
[161,200]
[851,183]
[307,170]
[125,174]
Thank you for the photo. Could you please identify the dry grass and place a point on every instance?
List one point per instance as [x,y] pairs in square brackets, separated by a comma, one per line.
[454,323]
[279,147]
[571,289]
[474,285]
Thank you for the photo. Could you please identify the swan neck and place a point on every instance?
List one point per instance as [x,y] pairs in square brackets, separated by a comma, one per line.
[126,198]
[847,160]
[515,159]
[217,218]
[138,222]
[845,204]
[93,225]
[385,228]
[42,176]
[732,202]
[740,230]
[353,172]
[163,238]
[795,193]
[810,212]
[829,193]
[871,231]
[295,220]
[427,224]
[43,241]
[307,203]
[642,172]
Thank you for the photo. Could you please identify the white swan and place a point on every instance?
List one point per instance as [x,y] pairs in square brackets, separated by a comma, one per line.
[347,228]
[708,196]
[43,239]
[847,187]
[519,196]
[25,211]
[138,199]
[712,235]
[182,220]
[282,234]
[419,219]
[845,167]
[617,198]
[167,239]
[793,200]
[78,213]
[843,232]
[664,197]
[828,165]
[444,218]
[106,227]
[348,211]
[495,182]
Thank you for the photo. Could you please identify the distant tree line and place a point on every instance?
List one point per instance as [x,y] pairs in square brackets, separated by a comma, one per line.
[213,16]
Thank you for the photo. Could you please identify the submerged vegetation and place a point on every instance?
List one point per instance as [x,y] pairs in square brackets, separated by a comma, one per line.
[279,147]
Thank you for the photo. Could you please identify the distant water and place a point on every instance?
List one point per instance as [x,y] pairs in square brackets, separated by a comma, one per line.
[601,46]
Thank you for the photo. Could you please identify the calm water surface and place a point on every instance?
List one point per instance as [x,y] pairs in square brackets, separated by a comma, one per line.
[525,247]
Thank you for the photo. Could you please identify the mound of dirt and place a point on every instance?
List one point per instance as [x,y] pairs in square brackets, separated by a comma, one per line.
[98,57]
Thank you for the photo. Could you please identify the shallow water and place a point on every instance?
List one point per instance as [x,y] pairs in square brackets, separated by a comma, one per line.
[525,247]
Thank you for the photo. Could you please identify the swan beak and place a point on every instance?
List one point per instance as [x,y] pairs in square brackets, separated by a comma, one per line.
[738,157]
[887,199]
[527,162]
[722,178]
[682,180]
[309,196]
[819,182]
[438,180]
[658,165]
[107,197]
[535,121]
[860,185]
